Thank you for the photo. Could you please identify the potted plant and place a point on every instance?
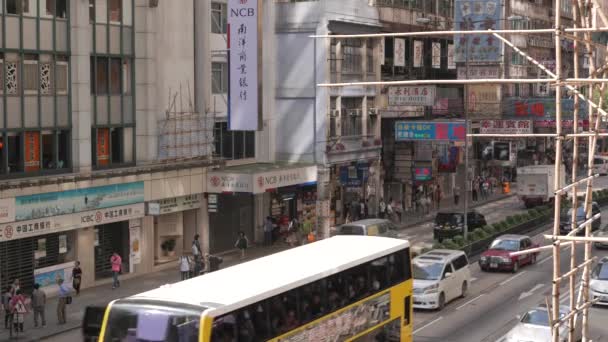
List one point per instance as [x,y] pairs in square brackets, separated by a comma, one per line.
[168,247]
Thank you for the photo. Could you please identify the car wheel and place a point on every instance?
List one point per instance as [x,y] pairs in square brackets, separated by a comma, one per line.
[515,267]
[441,303]
[464,289]
[533,259]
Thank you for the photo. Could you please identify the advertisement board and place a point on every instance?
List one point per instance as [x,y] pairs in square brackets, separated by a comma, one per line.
[419,130]
[505,127]
[539,108]
[411,96]
[478,15]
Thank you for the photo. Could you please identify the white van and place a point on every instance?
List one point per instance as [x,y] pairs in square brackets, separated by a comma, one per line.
[440,276]
[600,165]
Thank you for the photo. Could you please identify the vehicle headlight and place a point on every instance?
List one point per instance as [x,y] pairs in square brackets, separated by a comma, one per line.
[506,260]
[431,289]
[483,259]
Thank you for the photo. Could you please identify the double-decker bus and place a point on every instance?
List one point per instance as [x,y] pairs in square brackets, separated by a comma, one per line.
[345,288]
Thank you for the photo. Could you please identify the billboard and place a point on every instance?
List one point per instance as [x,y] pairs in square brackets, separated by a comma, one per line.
[243,65]
[478,15]
[418,130]
[541,108]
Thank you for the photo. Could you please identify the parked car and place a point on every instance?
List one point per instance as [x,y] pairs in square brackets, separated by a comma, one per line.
[565,225]
[440,276]
[498,257]
[534,326]
[598,285]
[601,233]
[369,227]
[448,224]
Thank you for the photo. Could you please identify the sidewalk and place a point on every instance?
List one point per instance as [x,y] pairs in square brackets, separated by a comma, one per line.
[104,294]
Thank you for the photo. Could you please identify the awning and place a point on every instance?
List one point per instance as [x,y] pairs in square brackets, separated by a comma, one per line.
[259,178]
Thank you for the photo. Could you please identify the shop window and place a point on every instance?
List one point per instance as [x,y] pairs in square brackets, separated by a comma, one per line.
[14,149]
[219,17]
[57,8]
[219,77]
[17,6]
[115,10]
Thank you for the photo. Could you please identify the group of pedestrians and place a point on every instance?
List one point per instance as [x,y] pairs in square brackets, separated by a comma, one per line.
[199,263]
[483,187]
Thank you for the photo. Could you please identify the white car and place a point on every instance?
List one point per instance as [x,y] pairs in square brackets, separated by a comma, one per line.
[533,326]
[440,276]
[598,287]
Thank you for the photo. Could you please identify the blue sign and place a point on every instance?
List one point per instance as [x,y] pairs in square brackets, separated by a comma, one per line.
[49,278]
[477,15]
[73,201]
[541,108]
[354,176]
[418,130]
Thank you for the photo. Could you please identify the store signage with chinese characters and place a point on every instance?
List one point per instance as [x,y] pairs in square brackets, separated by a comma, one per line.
[480,15]
[418,51]
[436,55]
[54,224]
[78,200]
[243,62]
[505,127]
[584,124]
[229,182]
[484,100]
[423,173]
[399,52]
[7,210]
[173,205]
[418,130]
[540,108]
[478,72]
[257,183]
[411,96]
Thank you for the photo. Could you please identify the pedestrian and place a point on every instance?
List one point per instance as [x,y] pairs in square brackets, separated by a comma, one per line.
[18,310]
[16,286]
[382,208]
[213,262]
[292,232]
[268,226]
[6,300]
[76,277]
[389,209]
[116,262]
[63,301]
[456,195]
[474,190]
[362,209]
[242,243]
[197,254]
[438,196]
[354,210]
[38,304]
[185,266]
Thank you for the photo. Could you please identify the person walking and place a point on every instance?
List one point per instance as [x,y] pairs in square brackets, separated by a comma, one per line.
[76,277]
[116,262]
[382,208]
[6,304]
[63,301]
[185,266]
[197,254]
[213,262]
[292,232]
[268,226]
[242,243]
[18,311]
[456,195]
[362,209]
[38,304]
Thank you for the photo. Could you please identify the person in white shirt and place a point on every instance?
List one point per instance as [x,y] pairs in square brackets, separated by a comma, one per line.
[184,266]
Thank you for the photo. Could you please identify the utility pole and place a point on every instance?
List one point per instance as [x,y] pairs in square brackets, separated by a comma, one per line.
[465,231]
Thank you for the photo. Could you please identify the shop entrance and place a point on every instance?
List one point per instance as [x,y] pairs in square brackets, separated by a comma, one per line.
[109,238]
[234,214]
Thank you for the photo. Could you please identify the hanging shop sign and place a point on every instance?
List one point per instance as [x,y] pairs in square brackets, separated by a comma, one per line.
[565,124]
[78,200]
[243,64]
[418,52]
[229,182]
[451,61]
[173,205]
[418,130]
[480,15]
[484,101]
[505,127]
[411,96]
[54,224]
[381,47]
[540,108]
[354,175]
[436,55]
[399,52]
[212,203]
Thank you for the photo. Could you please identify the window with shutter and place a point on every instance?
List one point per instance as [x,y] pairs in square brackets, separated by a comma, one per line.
[30,77]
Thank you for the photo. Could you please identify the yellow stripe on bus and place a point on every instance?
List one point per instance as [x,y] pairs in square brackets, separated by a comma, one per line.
[104,322]
[205,328]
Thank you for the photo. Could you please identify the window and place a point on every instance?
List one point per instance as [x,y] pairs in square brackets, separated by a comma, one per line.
[351,116]
[15,163]
[12,77]
[333,57]
[218,17]
[63,149]
[126,76]
[115,10]
[61,75]
[351,56]
[109,75]
[233,144]
[116,144]
[460,262]
[48,150]
[17,6]
[115,77]
[57,8]
[219,74]
[92,11]
[448,269]
[30,74]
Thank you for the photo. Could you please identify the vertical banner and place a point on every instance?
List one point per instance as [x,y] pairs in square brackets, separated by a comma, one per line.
[103,146]
[399,52]
[381,51]
[451,61]
[32,151]
[436,50]
[418,47]
[135,241]
[243,57]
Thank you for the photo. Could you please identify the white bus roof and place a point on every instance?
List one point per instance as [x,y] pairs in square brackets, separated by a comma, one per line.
[250,282]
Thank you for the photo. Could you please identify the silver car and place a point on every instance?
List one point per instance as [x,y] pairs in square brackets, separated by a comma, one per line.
[534,326]
[369,227]
[599,282]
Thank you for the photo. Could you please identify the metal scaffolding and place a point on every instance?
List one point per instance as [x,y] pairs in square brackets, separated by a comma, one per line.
[586,15]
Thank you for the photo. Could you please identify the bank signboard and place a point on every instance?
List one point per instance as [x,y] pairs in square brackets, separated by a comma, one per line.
[260,182]
[173,205]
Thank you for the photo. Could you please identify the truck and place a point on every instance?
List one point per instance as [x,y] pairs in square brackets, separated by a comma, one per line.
[535,184]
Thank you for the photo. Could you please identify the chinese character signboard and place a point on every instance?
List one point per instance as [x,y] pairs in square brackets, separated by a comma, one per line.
[399,52]
[475,72]
[381,47]
[436,55]
[418,51]
[582,124]
[506,127]
[484,100]
[423,173]
[541,108]
[419,130]
[451,61]
[243,61]
[478,15]
[411,96]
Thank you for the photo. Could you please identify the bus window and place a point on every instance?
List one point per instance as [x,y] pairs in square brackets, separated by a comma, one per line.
[150,321]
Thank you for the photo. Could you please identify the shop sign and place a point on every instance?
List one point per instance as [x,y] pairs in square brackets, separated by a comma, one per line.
[212,203]
[419,130]
[399,52]
[506,127]
[411,95]
[451,62]
[135,241]
[37,206]
[173,205]
[54,224]
[423,173]
[473,72]
[565,123]
[353,176]
[7,210]
[481,15]
[229,182]
[277,179]
[403,112]
[484,100]
[541,107]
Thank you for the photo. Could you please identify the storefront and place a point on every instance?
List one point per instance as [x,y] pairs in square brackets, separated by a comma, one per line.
[241,197]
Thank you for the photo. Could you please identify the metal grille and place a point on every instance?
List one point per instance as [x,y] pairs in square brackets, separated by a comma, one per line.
[17,262]
[111,237]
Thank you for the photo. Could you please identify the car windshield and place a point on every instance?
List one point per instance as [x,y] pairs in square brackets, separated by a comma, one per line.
[600,272]
[580,213]
[351,230]
[448,218]
[427,271]
[538,317]
[505,245]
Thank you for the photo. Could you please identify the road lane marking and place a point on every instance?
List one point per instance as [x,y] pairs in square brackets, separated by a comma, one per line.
[469,302]
[513,277]
[531,292]
[428,324]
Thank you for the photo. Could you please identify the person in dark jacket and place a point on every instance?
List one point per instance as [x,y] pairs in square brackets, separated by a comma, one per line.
[213,262]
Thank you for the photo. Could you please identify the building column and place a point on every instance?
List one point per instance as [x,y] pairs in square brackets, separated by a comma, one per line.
[323,202]
[147,246]
[85,253]
[202,223]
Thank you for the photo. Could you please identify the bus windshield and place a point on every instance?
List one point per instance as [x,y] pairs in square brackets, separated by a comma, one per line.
[142,321]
